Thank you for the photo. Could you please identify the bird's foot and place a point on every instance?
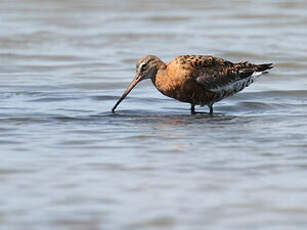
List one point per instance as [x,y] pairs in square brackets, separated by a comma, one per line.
[193,112]
[211,109]
[193,109]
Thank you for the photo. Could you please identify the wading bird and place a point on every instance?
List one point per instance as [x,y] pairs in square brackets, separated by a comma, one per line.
[196,79]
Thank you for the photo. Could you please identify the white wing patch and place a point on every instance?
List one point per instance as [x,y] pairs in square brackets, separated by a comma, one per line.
[257,74]
[237,86]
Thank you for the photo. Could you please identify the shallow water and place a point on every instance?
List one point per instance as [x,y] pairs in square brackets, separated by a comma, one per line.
[67,162]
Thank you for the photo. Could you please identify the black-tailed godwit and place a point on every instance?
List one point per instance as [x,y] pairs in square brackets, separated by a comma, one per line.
[196,79]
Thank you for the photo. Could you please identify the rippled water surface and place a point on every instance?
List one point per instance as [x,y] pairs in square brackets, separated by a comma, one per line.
[67,162]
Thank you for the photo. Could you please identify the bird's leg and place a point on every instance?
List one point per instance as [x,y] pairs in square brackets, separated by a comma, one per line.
[211,109]
[193,109]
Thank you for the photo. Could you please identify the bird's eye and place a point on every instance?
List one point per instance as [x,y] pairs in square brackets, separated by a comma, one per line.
[143,66]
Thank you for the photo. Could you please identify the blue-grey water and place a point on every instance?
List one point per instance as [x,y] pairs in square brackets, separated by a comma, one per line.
[67,162]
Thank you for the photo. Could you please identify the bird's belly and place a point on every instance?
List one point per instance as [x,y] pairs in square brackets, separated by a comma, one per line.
[191,92]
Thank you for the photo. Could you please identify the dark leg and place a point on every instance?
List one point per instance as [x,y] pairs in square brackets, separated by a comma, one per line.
[193,109]
[211,109]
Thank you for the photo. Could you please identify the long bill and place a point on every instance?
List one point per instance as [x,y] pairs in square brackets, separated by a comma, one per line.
[135,81]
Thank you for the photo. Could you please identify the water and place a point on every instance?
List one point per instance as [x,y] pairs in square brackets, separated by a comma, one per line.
[67,162]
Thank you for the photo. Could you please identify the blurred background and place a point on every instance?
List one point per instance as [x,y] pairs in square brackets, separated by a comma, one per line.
[67,162]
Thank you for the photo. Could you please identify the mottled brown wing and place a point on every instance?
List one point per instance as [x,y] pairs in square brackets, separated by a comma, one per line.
[215,73]
[219,73]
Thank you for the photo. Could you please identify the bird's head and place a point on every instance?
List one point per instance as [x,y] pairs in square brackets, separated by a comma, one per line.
[146,68]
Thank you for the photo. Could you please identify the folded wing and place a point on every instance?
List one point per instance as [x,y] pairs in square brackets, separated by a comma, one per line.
[221,76]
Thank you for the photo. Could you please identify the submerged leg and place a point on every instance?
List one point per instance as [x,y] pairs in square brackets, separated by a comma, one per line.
[211,109]
[193,109]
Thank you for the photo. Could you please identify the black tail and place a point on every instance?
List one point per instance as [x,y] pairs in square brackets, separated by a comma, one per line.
[264,67]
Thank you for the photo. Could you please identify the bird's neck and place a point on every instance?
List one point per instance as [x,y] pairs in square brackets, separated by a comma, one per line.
[161,80]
